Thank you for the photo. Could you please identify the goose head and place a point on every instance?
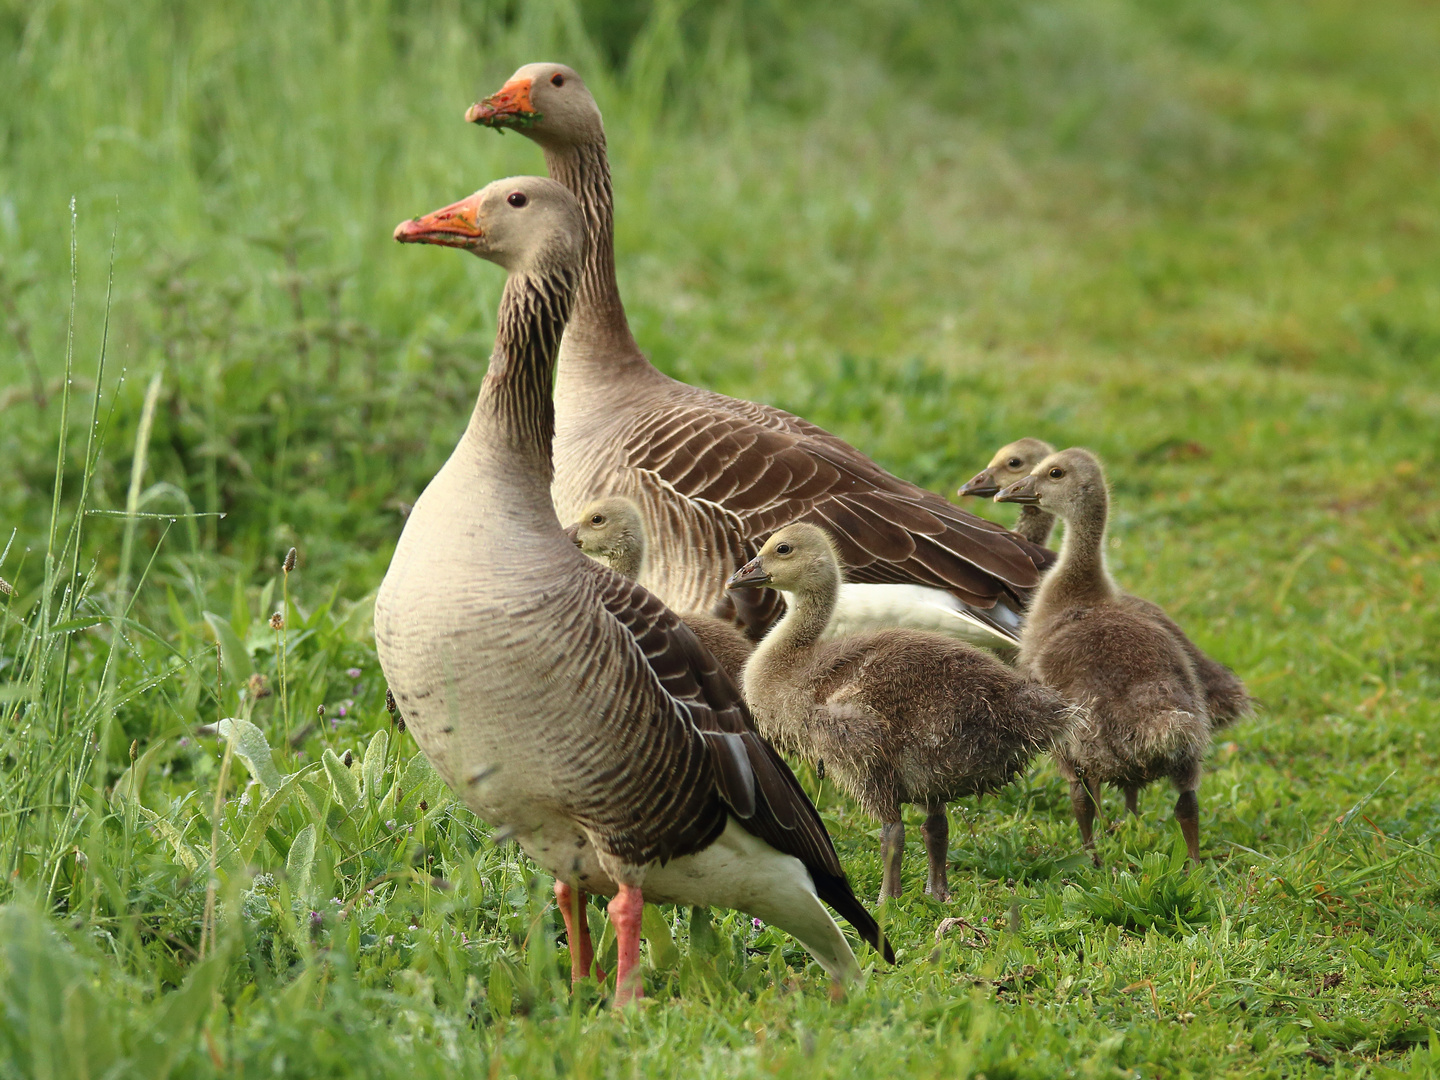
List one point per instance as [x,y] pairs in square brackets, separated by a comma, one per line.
[610,530]
[523,223]
[800,558]
[1068,484]
[1010,463]
[547,102]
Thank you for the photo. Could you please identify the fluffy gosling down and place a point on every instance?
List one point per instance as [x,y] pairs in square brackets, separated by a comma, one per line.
[612,531]
[897,716]
[1122,658]
[1225,696]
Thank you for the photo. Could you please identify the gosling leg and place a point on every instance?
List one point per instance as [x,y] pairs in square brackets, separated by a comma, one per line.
[892,850]
[1083,803]
[1187,813]
[1132,800]
[936,832]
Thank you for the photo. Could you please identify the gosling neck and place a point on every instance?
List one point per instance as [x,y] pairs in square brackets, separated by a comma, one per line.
[512,429]
[627,559]
[1081,574]
[598,329]
[807,615]
[1035,525]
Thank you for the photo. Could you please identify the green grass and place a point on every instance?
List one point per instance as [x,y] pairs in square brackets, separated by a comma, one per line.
[1200,238]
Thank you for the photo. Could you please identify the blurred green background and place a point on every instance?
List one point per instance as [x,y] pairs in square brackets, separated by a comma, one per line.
[1199,236]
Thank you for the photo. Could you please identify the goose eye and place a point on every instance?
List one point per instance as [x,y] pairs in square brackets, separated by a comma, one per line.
[557,79]
[597,519]
[1056,473]
[1014,463]
[782,549]
[517,199]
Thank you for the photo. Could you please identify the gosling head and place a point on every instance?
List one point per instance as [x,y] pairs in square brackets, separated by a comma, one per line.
[547,102]
[1067,484]
[523,223]
[610,530]
[799,558]
[1009,464]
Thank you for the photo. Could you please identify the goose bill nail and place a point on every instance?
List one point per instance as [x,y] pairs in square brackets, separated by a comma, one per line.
[509,106]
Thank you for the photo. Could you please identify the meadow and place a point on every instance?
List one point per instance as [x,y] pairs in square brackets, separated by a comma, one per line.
[1200,238]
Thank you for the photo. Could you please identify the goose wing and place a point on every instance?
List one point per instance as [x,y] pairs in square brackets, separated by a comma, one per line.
[766,468]
[747,775]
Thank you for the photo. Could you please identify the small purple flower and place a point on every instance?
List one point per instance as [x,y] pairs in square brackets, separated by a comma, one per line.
[185,740]
[335,720]
[756,923]
[342,711]
[465,939]
[353,672]
[316,920]
[341,914]
[391,826]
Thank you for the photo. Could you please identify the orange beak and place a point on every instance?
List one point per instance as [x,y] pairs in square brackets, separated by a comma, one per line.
[455,226]
[508,107]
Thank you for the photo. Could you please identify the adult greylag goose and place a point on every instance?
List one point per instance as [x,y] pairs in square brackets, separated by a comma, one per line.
[1013,462]
[612,531]
[715,475]
[897,716]
[1147,713]
[564,703]
[1225,697]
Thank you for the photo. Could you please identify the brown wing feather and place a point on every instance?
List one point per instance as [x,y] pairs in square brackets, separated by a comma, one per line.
[767,468]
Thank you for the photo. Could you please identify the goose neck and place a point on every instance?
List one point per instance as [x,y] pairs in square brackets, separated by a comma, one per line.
[512,429]
[598,328]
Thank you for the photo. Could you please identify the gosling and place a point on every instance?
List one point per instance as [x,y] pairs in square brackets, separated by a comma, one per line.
[1226,699]
[1115,656]
[1011,463]
[896,715]
[612,531]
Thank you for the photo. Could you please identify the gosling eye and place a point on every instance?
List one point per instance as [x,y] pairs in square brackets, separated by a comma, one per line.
[517,199]
[557,79]
[1056,473]
[782,549]
[1014,463]
[597,519]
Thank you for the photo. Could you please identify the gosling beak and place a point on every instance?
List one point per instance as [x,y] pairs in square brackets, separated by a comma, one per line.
[981,485]
[457,225]
[752,575]
[1022,491]
[573,534]
[508,107]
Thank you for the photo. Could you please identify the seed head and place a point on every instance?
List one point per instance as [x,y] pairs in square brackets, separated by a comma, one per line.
[424,806]
[134,746]
[277,621]
[289,563]
[259,686]
[390,705]
[400,722]
[349,759]
[6,589]
[320,711]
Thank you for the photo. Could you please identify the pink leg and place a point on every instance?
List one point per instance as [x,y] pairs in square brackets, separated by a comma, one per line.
[577,931]
[626,911]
